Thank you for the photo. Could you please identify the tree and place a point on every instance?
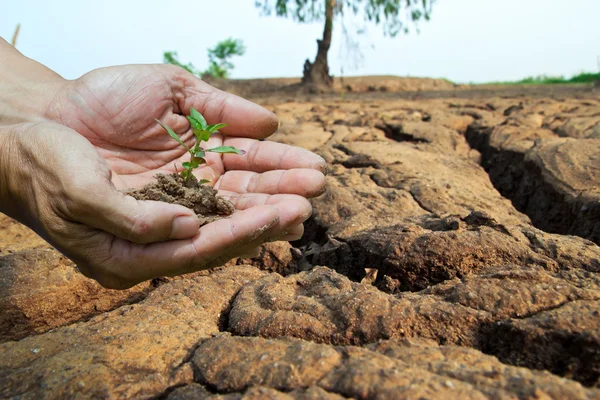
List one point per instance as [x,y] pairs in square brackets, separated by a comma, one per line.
[394,15]
[219,64]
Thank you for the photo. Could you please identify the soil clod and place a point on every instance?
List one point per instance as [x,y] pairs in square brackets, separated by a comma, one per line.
[173,189]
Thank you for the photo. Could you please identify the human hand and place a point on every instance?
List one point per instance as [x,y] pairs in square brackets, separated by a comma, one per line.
[72,198]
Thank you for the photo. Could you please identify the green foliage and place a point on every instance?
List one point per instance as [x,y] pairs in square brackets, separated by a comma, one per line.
[174,136]
[219,59]
[226,149]
[392,14]
[202,132]
[584,77]
[226,49]
[220,55]
[542,79]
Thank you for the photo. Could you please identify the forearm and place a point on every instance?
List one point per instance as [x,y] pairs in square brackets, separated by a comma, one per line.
[26,87]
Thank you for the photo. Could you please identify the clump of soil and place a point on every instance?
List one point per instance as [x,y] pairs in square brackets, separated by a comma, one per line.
[191,194]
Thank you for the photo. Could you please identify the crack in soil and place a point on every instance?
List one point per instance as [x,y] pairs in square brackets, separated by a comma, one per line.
[396,132]
[416,199]
[573,356]
[522,183]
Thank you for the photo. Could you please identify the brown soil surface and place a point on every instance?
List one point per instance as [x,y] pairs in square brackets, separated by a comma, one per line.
[454,255]
[362,84]
[174,189]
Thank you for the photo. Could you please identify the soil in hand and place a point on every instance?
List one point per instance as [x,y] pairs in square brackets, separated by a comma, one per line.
[191,194]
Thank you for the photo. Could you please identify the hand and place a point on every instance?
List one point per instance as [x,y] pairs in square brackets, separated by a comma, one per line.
[105,138]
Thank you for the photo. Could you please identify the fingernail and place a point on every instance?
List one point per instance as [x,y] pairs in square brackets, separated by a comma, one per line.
[322,166]
[251,254]
[288,238]
[185,227]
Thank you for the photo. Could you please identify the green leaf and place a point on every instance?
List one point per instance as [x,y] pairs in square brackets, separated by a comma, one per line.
[200,154]
[173,135]
[195,124]
[203,181]
[186,165]
[198,161]
[226,149]
[203,136]
[216,127]
[198,117]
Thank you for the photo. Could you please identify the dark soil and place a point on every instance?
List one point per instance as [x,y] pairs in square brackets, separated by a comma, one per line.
[191,194]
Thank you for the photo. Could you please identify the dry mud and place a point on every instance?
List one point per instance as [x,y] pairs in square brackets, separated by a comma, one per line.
[174,189]
[454,255]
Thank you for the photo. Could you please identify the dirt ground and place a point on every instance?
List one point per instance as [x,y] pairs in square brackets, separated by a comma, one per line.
[455,254]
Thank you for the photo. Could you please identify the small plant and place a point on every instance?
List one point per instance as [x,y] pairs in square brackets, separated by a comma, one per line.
[202,132]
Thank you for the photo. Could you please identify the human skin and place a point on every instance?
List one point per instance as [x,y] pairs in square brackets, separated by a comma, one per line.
[68,148]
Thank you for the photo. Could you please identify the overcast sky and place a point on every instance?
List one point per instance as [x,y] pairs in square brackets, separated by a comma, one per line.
[465,41]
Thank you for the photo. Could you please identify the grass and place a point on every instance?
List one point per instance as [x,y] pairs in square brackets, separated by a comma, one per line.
[582,78]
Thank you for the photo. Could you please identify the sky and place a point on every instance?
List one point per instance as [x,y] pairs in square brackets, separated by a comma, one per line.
[465,41]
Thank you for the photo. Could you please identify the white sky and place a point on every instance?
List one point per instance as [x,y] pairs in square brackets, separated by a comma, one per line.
[466,40]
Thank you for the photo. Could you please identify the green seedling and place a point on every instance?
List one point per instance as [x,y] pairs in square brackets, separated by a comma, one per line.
[202,132]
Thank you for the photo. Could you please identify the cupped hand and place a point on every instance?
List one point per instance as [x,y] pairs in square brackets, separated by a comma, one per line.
[104,138]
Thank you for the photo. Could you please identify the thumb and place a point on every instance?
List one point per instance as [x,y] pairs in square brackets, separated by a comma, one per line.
[139,221]
[71,181]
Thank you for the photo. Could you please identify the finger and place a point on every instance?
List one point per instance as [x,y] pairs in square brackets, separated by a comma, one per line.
[247,200]
[303,182]
[267,156]
[293,233]
[294,208]
[253,250]
[251,253]
[243,118]
[215,242]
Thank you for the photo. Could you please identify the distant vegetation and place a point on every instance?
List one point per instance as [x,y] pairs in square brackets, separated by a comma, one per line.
[171,57]
[219,64]
[219,59]
[584,77]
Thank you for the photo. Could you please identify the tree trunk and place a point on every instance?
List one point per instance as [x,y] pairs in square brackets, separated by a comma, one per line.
[317,73]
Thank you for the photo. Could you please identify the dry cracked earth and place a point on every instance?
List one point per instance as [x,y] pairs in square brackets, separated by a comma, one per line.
[455,254]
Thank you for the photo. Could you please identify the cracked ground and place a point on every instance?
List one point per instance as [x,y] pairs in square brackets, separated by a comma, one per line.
[455,254]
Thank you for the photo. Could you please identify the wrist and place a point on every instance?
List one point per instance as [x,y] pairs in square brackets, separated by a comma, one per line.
[16,181]
[6,155]
[27,88]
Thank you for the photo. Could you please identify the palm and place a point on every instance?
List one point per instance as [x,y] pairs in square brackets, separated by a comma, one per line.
[116,108]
